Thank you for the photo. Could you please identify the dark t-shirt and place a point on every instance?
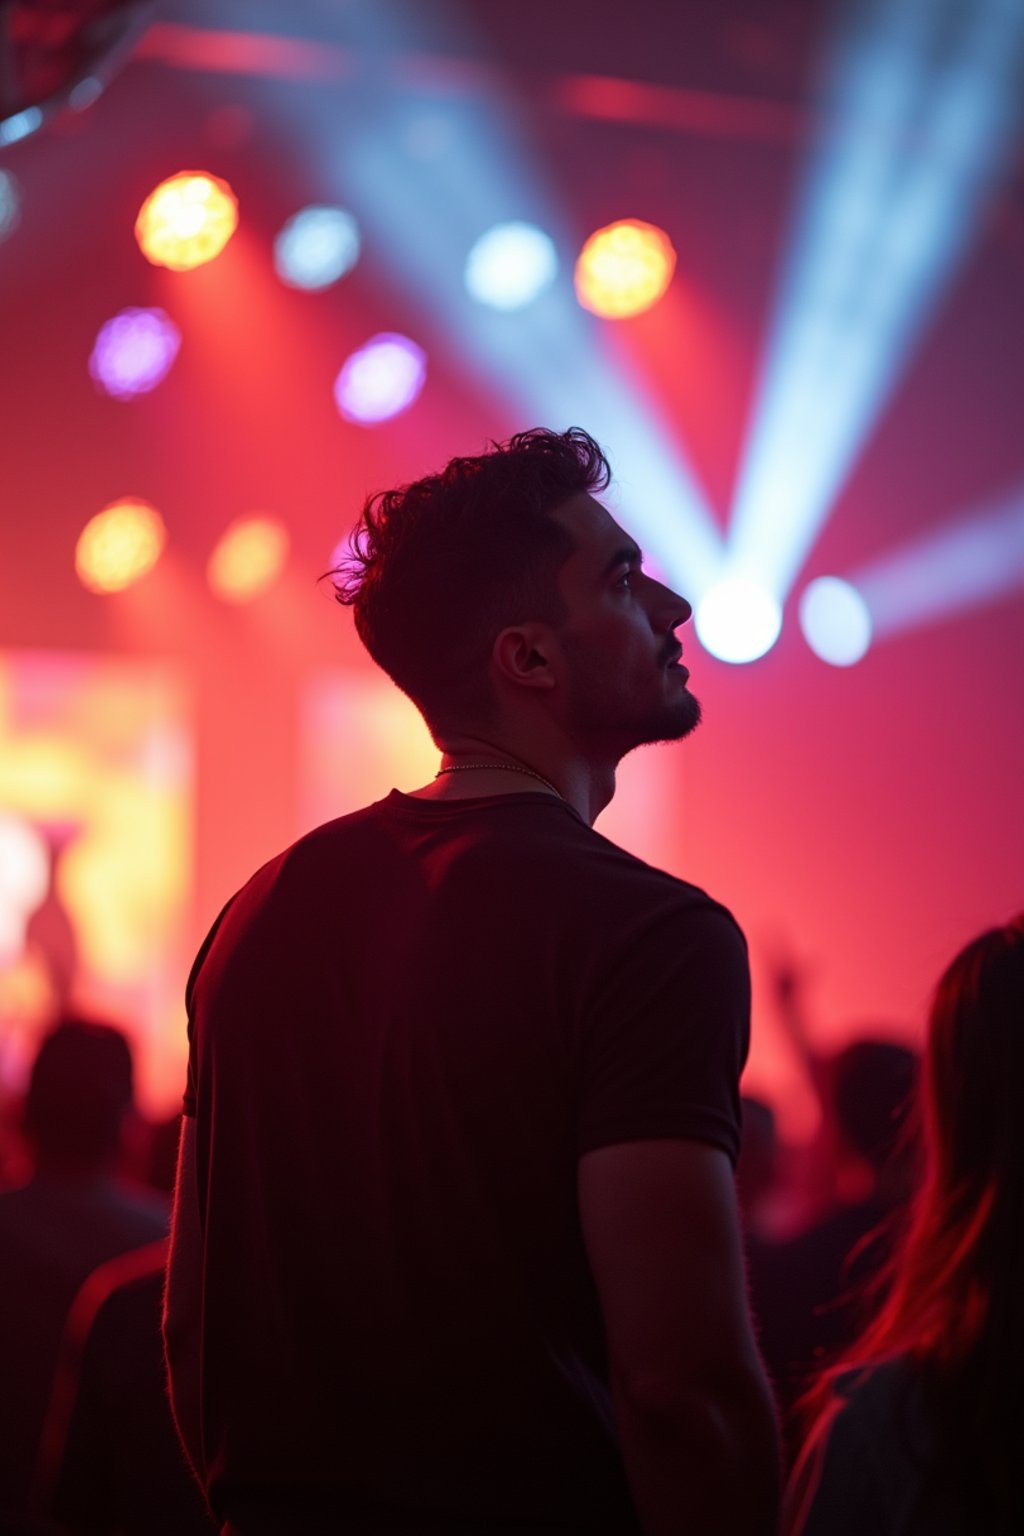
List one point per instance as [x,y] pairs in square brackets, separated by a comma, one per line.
[405,1031]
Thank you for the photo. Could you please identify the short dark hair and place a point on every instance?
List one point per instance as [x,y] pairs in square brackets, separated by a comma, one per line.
[439,567]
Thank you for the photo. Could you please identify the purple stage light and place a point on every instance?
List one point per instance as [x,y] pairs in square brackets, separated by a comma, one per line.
[134,351]
[381,380]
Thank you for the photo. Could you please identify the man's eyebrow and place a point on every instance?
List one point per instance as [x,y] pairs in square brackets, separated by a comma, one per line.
[628,554]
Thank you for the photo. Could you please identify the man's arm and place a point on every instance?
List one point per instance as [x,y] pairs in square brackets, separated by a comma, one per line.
[695,1413]
[182,1302]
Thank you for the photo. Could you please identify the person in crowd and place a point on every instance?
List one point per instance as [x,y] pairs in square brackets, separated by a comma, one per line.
[110,1463]
[72,1215]
[917,1428]
[455,1245]
[802,1285]
[757,1167]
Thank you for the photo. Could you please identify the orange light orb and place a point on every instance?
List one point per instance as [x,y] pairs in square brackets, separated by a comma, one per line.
[624,268]
[119,545]
[248,559]
[186,221]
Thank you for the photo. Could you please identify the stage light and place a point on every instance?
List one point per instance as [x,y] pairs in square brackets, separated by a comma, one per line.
[24,864]
[134,351]
[85,93]
[248,559]
[381,380]
[511,265]
[119,545]
[20,125]
[316,247]
[10,204]
[556,365]
[624,268]
[186,221]
[24,880]
[964,565]
[922,103]
[835,621]
[552,366]
[737,620]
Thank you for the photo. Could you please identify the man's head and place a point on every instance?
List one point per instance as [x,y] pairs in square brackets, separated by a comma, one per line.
[439,567]
[489,579]
[79,1092]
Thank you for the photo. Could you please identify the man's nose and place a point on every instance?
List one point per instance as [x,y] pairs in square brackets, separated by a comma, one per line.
[672,609]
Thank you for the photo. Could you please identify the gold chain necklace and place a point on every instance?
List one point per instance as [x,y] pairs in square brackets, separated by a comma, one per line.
[501,767]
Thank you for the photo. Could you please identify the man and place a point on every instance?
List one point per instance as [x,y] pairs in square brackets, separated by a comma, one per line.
[462,1088]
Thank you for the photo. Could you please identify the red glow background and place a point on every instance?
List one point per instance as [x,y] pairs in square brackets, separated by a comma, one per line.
[865,821]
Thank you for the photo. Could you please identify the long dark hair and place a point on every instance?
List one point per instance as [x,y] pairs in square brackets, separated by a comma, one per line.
[951,1299]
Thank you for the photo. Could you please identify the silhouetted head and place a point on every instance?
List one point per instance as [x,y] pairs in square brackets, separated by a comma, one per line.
[79,1091]
[952,1294]
[974,1091]
[504,573]
[873,1086]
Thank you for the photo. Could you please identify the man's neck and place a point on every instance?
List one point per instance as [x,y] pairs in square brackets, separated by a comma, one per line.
[474,766]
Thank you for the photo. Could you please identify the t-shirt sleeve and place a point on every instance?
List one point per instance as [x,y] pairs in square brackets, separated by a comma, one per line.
[667,1036]
[188,1102]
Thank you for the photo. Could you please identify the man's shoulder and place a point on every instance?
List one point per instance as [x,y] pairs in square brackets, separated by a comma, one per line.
[545,851]
[293,886]
[653,887]
[316,848]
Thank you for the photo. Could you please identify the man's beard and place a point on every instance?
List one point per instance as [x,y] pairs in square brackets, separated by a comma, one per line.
[672,723]
[669,720]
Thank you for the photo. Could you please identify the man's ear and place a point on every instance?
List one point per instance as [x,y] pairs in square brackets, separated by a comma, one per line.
[522,656]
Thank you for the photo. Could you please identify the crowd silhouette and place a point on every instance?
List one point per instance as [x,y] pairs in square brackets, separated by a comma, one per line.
[890,1313]
[87,1442]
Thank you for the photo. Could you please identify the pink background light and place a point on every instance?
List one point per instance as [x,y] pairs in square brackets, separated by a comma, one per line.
[865,819]
[134,352]
[381,380]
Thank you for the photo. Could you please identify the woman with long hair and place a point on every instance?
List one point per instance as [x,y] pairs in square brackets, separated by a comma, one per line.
[919,1427]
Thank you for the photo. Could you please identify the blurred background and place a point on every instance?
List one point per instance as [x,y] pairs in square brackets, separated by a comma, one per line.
[771,256]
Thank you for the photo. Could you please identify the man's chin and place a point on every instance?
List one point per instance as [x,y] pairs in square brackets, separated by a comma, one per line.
[688,717]
[673,724]
[692,712]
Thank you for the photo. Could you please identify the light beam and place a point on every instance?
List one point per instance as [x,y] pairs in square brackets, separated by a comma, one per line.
[964,565]
[924,97]
[551,362]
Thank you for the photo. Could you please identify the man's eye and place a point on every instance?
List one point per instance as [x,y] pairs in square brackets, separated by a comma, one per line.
[625,580]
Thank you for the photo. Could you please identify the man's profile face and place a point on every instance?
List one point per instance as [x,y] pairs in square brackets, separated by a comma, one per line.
[619,652]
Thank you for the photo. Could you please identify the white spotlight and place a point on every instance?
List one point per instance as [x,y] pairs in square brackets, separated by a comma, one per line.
[963,565]
[24,876]
[921,120]
[10,204]
[511,265]
[20,125]
[737,620]
[316,248]
[835,621]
